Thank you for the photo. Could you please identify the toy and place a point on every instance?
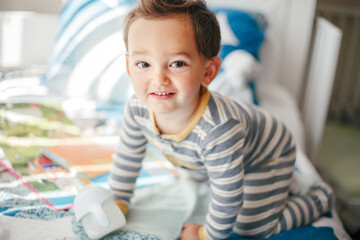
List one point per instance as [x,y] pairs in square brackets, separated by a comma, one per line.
[97,211]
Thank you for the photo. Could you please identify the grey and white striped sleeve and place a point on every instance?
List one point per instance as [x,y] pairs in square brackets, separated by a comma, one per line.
[223,157]
[127,160]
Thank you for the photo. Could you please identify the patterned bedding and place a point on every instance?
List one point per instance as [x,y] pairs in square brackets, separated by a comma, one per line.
[157,212]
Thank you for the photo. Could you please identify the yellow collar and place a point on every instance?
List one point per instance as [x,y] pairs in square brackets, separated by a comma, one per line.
[205,96]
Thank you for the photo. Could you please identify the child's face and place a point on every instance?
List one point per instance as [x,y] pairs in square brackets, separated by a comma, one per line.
[164,65]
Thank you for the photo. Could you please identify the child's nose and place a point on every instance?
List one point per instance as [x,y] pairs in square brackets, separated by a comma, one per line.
[161,78]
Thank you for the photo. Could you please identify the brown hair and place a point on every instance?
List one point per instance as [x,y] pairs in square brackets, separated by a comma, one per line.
[205,25]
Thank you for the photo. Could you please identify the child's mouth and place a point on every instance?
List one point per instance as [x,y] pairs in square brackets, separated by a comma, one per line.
[162,95]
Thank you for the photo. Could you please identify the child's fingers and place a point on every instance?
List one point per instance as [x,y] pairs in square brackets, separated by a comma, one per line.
[186,225]
[190,231]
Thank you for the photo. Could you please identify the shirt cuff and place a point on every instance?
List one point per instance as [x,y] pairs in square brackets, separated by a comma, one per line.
[201,233]
[122,205]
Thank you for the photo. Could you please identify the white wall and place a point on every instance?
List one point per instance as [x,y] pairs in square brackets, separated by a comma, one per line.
[26,38]
[27,31]
[41,6]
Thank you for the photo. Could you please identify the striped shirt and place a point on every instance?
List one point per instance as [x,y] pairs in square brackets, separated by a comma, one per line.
[226,140]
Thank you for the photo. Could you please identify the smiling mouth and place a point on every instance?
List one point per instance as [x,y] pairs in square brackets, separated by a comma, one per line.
[162,95]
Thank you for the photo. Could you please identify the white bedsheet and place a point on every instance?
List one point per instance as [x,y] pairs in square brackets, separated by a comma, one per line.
[12,228]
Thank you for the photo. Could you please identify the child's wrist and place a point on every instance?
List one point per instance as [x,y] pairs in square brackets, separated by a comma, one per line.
[201,234]
[122,205]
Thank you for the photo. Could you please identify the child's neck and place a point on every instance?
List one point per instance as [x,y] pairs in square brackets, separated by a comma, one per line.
[173,124]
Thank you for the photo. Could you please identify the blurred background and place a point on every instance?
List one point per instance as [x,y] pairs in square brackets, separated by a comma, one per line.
[28,29]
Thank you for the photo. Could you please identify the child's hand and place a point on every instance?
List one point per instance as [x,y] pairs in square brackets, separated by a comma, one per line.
[190,232]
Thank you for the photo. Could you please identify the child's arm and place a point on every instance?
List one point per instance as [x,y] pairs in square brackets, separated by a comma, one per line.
[127,160]
[223,158]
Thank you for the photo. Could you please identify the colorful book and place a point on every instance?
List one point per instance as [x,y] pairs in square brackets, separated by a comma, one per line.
[155,170]
[48,155]
[85,157]
[53,184]
[93,161]
[58,186]
[25,127]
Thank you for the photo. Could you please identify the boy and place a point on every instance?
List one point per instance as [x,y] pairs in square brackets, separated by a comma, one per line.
[246,155]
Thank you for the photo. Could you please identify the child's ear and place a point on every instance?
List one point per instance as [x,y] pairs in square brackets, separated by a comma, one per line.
[211,70]
[127,63]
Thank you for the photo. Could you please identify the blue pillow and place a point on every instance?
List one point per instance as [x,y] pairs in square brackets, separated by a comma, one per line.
[88,52]
[240,30]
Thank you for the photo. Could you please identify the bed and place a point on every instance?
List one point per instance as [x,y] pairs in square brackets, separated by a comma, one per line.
[271,49]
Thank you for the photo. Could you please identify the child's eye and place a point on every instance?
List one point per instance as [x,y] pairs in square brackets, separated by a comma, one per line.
[178,64]
[143,64]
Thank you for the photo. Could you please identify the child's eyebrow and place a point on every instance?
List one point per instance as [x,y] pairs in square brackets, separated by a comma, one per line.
[138,53]
[175,54]
[183,53]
